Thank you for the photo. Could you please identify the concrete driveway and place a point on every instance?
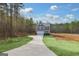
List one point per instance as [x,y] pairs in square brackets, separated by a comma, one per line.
[34,48]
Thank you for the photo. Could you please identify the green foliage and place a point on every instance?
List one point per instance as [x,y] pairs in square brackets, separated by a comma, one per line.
[72,27]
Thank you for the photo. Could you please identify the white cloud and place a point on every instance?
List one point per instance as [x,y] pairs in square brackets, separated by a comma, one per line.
[75,9]
[49,15]
[26,10]
[56,16]
[54,7]
[60,19]
[70,16]
[52,16]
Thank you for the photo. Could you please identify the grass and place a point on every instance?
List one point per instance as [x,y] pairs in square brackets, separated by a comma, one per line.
[11,43]
[62,47]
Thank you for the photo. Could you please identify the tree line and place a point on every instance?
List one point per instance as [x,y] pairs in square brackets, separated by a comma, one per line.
[12,23]
[72,27]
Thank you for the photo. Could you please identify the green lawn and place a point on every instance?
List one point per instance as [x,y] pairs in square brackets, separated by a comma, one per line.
[62,47]
[11,43]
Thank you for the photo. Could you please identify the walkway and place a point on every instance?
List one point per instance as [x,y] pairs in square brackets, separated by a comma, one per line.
[34,48]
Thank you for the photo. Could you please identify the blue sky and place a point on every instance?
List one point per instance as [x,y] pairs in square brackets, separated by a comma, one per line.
[62,11]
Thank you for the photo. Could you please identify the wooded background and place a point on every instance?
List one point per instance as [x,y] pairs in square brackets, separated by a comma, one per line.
[13,24]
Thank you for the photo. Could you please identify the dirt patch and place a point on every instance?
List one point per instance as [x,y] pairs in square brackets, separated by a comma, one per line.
[66,36]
